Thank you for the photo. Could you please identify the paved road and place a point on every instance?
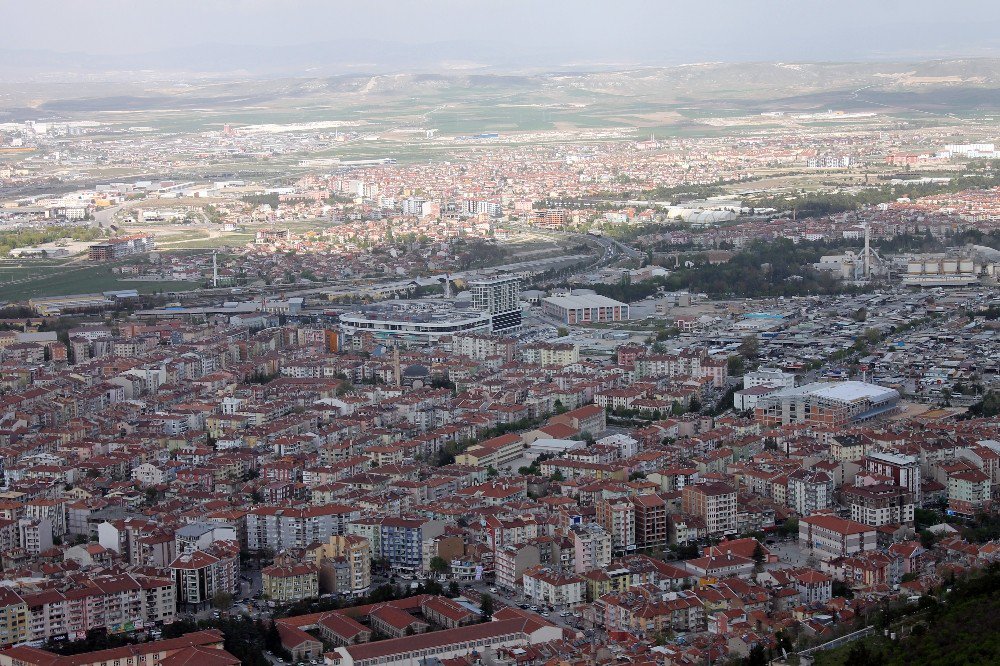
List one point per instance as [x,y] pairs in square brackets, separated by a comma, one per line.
[516,599]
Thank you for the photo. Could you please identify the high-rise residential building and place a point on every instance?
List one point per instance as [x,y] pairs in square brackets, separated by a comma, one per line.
[650,520]
[591,548]
[501,298]
[200,575]
[401,540]
[809,490]
[344,564]
[879,504]
[288,583]
[617,517]
[715,503]
[902,469]
[280,528]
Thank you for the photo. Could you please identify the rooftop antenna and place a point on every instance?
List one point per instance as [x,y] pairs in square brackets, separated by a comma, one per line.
[868,250]
[396,374]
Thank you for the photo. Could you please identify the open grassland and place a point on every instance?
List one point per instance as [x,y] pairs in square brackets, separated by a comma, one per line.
[20,282]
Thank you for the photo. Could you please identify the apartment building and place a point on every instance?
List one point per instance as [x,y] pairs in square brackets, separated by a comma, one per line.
[714,503]
[200,575]
[289,583]
[511,561]
[53,510]
[401,541]
[969,492]
[113,603]
[879,504]
[558,354]
[280,528]
[650,520]
[830,537]
[344,564]
[482,347]
[809,491]
[547,586]
[13,618]
[903,470]
[592,548]
[617,518]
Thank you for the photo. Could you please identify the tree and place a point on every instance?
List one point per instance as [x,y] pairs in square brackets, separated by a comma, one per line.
[222,600]
[486,607]
[784,642]
[842,589]
[453,590]
[491,472]
[861,655]
[749,348]
[790,527]
[987,407]
[758,555]
[927,539]
[439,565]
[757,656]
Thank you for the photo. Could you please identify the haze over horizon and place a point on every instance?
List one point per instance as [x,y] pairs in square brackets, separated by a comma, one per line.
[311,37]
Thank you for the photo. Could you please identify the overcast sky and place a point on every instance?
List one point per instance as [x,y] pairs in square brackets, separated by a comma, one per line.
[561,32]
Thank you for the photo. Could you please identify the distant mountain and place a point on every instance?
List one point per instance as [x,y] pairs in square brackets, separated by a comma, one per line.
[750,87]
[679,44]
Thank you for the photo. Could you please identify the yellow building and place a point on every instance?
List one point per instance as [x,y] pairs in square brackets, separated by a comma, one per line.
[344,564]
[493,452]
[290,583]
[13,618]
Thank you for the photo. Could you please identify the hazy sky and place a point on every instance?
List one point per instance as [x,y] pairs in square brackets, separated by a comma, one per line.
[559,31]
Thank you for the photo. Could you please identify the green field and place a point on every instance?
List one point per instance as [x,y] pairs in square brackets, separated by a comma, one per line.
[20,282]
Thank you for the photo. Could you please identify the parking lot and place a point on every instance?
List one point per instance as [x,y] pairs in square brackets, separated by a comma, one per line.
[790,554]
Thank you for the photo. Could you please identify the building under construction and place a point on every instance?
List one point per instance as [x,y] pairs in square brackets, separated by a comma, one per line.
[835,404]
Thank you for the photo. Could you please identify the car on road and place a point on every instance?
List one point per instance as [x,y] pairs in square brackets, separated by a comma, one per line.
[493,590]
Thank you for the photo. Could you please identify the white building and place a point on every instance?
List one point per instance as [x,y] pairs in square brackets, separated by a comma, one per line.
[809,491]
[500,297]
[547,586]
[768,377]
[585,309]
